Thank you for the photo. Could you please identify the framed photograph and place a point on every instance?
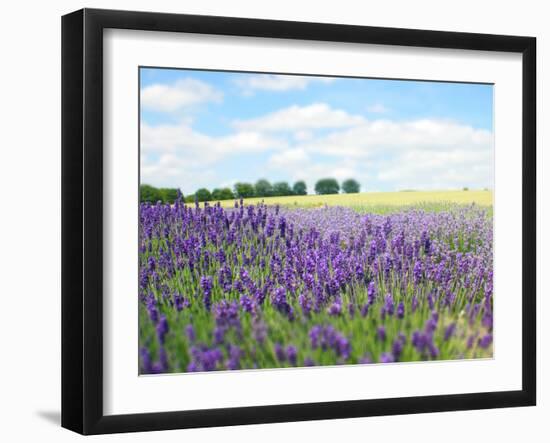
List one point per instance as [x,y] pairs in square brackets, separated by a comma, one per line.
[269,221]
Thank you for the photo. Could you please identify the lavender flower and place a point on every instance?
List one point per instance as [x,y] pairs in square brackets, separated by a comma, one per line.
[485,341]
[366,359]
[234,360]
[246,303]
[381,333]
[388,304]
[386,357]
[250,266]
[162,328]
[280,353]
[401,310]
[291,353]
[449,331]
[397,348]
[335,309]
[371,292]
[364,310]
[206,285]
[190,332]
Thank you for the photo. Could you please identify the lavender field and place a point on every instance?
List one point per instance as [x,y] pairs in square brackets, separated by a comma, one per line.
[257,286]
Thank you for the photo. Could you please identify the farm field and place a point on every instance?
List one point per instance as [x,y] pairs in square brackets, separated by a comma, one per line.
[316,280]
[365,201]
[262,244]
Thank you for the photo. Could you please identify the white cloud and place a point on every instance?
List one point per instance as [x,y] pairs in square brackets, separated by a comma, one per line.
[377,137]
[377,108]
[444,169]
[181,94]
[290,159]
[177,155]
[419,154]
[278,83]
[302,135]
[297,164]
[181,139]
[315,141]
[422,154]
[300,118]
[175,171]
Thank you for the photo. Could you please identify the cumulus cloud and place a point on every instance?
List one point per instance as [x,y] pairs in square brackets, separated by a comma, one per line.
[299,165]
[289,159]
[300,118]
[196,146]
[278,83]
[177,155]
[181,94]
[175,171]
[303,135]
[377,108]
[376,137]
[444,169]
[316,141]
[421,154]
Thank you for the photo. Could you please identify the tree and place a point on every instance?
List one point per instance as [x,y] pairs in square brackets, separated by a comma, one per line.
[327,186]
[222,194]
[263,188]
[203,195]
[244,190]
[300,188]
[281,189]
[169,195]
[148,193]
[351,186]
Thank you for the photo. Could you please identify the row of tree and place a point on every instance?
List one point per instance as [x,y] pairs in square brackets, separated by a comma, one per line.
[148,193]
[331,186]
[262,188]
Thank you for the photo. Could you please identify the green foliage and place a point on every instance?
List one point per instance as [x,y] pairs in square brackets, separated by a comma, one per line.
[263,188]
[169,195]
[281,189]
[148,193]
[299,188]
[222,194]
[351,186]
[203,195]
[327,186]
[244,190]
[465,188]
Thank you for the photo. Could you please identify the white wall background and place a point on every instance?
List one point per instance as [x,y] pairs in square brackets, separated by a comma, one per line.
[30,218]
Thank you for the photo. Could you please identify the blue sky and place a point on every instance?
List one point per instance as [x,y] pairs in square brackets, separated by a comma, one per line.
[211,129]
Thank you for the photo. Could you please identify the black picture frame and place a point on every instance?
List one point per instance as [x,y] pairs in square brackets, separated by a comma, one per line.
[82,218]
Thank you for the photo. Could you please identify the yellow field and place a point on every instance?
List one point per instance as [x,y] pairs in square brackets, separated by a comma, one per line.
[368,199]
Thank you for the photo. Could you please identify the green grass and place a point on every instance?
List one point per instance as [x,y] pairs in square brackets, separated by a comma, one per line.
[381,202]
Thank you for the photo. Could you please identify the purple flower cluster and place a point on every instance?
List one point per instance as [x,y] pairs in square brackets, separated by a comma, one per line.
[260,286]
[326,337]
